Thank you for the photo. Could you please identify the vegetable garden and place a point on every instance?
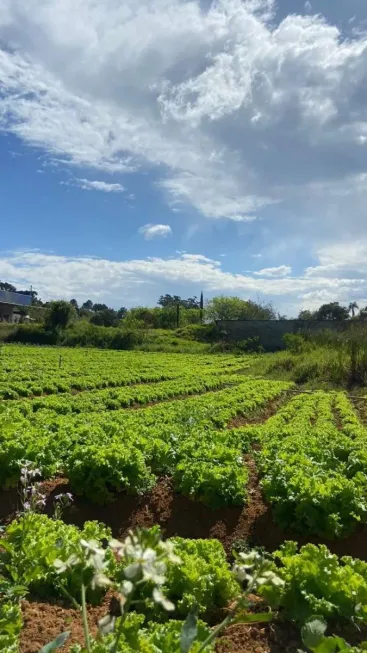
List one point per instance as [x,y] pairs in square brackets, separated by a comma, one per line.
[175,503]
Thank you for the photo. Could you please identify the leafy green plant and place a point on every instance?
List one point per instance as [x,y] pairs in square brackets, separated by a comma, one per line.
[318,582]
[203,578]
[97,472]
[313,637]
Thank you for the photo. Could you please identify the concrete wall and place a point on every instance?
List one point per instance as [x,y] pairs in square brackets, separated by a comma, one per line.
[271,332]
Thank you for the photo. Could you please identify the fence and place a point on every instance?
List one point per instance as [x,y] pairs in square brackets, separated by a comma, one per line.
[271,332]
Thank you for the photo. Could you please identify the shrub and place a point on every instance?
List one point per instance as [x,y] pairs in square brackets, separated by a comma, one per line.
[33,334]
[295,342]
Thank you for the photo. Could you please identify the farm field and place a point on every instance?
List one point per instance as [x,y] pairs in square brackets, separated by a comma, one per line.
[257,489]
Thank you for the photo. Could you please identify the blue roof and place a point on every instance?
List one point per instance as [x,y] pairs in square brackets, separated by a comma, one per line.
[16,298]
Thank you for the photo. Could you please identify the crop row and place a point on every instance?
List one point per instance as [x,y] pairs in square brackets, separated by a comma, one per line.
[27,376]
[309,581]
[313,464]
[117,398]
[106,452]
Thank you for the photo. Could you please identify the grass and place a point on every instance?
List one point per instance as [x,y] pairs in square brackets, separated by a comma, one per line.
[320,367]
[164,340]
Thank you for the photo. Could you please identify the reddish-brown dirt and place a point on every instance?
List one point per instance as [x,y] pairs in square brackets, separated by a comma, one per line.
[45,621]
[178,515]
[261,415]
[259,638]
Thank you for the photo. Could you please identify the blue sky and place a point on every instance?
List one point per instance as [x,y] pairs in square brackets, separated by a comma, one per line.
[173,146]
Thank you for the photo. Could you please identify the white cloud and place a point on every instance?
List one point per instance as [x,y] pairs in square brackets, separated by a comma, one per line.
[150,231]
[234,112]
[140,281]
[281,271]
[85,184]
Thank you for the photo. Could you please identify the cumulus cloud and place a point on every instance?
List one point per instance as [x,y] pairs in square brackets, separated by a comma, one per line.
[141,280]
[86,184]
[235,112]
[151,231]
[281,271]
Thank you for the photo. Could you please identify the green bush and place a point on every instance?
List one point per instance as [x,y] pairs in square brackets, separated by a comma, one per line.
[295,342]
[33,334]
[84,334]
[201,332]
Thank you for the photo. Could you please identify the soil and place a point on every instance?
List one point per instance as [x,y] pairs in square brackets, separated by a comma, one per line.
[260,638]
[252,524]
[45,621]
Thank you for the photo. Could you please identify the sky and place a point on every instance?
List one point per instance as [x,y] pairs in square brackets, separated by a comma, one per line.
[171,146]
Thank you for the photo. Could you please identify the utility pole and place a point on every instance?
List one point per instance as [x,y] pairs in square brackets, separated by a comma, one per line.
[201,307]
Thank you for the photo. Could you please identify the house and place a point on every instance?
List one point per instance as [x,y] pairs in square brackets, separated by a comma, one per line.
[12,305]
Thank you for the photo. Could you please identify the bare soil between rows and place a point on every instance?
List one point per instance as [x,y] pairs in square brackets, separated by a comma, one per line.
[178,516]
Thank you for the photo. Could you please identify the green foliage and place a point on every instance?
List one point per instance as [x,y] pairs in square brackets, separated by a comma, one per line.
[31,545]
[10,626]
[313,636]
[59,315]
[105,317]
[214,483]
[305,470]
[318,582]
[234,308]
[151,638]
[295,342]
[97,472]
[203,578]
[201,332]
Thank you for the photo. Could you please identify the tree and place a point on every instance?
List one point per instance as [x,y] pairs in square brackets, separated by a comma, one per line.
[332,311]
[306,315]
[107,317]
[172,300]
[100,307]
[352,308]
[362,315]
[59,316]
[4,285]
[74,303]
[191,302]
[121,312]
[88,305]
[169,300]
[234,308]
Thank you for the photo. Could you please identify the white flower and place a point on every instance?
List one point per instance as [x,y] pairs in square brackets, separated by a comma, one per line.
[131,571]
[240,572]
[106,625]
[92,547]
[169,549]
[158,597]
[62,566]
[127,587]
[100,580]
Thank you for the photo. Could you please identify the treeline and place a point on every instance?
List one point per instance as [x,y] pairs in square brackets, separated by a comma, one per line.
[335,311]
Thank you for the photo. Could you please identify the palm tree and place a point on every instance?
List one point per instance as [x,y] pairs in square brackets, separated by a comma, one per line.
[352,308]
